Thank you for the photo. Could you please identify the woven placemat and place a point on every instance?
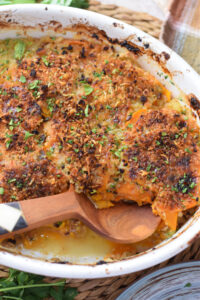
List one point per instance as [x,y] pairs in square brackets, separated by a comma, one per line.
[110,288]
[140,20]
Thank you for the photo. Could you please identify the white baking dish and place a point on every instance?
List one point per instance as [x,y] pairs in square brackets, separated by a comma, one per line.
[42,20]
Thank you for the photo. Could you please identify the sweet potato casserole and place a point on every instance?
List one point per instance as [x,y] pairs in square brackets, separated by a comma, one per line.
[82,111]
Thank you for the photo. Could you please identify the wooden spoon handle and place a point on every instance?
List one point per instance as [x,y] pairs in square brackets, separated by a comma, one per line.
[26,215]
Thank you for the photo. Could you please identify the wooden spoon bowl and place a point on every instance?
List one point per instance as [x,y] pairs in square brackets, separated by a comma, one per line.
[123,223]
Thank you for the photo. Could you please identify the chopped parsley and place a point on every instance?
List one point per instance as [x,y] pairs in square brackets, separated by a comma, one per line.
[88,89]
[34,85]
[19,50]
[86,110]
[1,190]
[28,135]
[154,179]
[22,79]
[98,75]
[148,168]
[188,284]
[163,133]
[18,109]
[188,150]
[45,61]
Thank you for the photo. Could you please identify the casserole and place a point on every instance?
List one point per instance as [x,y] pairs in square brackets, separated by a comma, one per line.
[41,20]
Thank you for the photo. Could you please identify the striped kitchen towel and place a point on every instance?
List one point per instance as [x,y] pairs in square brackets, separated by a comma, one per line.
[181,31]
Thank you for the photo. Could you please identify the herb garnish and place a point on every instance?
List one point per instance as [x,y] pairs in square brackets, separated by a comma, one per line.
[22,79]
[28,135]
[19,50]
[86,110]
[88,89]
[1,190]
[23,286]
[34,85]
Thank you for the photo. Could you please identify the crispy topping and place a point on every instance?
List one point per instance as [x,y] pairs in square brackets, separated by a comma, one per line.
[82,111]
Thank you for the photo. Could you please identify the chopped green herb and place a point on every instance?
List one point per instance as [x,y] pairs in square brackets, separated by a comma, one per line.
[94,130]
[34,85]
[188,150]
[113,185]
[185,135]
[154,179]
[130,126]
[28,135]
[163,133]
[45,61]
[76,150]
[114,71]
[88,89]
[19,50]
[101,143]
[1,190]
[51,104]
[108,107]
[157,143]
[11,180]
[86,110]
[18,109]
[148,168]
[99,75]
[70,142]
[22,79]
[192,185]
[188,284]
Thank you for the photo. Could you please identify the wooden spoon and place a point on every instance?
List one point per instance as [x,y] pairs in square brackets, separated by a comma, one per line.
[123,223]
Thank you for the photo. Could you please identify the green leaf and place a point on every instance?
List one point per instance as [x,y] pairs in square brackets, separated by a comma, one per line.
[70,293]
[18,109]
[29,297]
[19,287]
[34,85]
[57,293]
[19,50]
[22,79]
[86,110]
[1,190]
[88,89]
[45,61]
[80,3]
[28,135]
[22,278]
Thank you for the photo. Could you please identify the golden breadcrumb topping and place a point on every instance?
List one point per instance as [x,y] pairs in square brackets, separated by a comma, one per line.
[83,112]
